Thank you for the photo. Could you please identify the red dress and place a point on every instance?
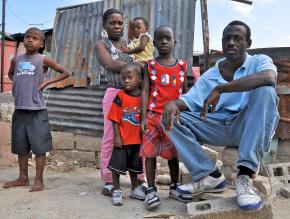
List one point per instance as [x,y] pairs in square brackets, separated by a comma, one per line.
[166,84]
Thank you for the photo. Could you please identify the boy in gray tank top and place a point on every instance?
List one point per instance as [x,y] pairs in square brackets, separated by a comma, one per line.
[30,127]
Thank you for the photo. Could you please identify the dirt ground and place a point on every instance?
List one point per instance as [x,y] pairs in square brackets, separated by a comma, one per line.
[74,192]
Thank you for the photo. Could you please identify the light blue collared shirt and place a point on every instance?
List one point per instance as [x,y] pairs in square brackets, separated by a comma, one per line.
[234,101]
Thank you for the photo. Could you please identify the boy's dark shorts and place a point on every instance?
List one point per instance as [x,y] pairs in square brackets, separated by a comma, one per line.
[126,158]
[30,131]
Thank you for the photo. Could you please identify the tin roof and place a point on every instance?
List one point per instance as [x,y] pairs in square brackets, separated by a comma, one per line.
[77,28]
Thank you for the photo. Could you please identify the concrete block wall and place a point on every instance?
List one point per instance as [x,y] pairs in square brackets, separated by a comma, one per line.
[229,158]
[6,157]
[281,171]
[6,107]
[84,149]
[283,151]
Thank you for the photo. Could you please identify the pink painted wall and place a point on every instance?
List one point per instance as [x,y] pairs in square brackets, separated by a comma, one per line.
[10,52]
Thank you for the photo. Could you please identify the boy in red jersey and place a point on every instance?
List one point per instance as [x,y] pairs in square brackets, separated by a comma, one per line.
[125,116]
[163,81]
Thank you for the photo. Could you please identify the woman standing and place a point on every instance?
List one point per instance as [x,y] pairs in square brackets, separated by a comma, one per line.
[110,56]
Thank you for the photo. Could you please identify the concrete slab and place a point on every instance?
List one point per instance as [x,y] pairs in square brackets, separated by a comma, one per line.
[212,196]
[6,157]
[226,208]
[62,140]
[262,183]
[184,175]
[230,155]
[5,133]
[87,143]
[285,191]
[279,169]
[163,179]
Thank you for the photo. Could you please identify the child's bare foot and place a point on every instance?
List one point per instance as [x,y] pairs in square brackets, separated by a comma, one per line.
[17,182]
[37,186]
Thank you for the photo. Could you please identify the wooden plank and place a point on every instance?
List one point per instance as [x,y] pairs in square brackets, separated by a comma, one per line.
[244,1]
[205,31]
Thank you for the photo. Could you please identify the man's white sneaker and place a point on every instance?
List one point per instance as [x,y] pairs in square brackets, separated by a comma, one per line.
[206,184]
[117,197]
[247,195]
[175,195]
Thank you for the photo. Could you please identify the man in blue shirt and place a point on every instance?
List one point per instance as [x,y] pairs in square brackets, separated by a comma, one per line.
[233,103]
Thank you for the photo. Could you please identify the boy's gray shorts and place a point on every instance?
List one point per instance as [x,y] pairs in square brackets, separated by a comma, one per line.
[30,131]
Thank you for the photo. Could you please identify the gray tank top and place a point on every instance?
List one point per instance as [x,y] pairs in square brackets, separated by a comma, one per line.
[28,76]
[115,79]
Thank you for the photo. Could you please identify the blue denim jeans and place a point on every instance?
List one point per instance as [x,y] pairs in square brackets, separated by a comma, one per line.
[251,130]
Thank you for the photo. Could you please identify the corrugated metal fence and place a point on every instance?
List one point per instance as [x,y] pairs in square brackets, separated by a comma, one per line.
[76,30]
[76,110]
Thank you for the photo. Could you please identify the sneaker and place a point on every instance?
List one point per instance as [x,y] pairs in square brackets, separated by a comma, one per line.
[117,197]
[107,190]
[206,184]
[138,193]
[247,195]
[175,195]
[144,187]
[152,198]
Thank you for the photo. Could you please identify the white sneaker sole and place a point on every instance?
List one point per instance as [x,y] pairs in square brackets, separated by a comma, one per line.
[251,210]
[152,206]
[204,191]
[137,197]
[179,198]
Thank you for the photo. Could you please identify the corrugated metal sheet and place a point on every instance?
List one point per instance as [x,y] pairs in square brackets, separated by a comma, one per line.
[76,30]
[76,110]
[178,14]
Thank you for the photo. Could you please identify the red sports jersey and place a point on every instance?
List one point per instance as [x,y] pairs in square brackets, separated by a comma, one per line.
[166,83]
[125,111]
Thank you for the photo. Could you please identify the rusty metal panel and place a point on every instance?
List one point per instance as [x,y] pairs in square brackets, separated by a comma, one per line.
[276,53]
[78,108]
[283,91]
[280,56]
[76,30]
[283,130]
[283,78]
[180,15]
